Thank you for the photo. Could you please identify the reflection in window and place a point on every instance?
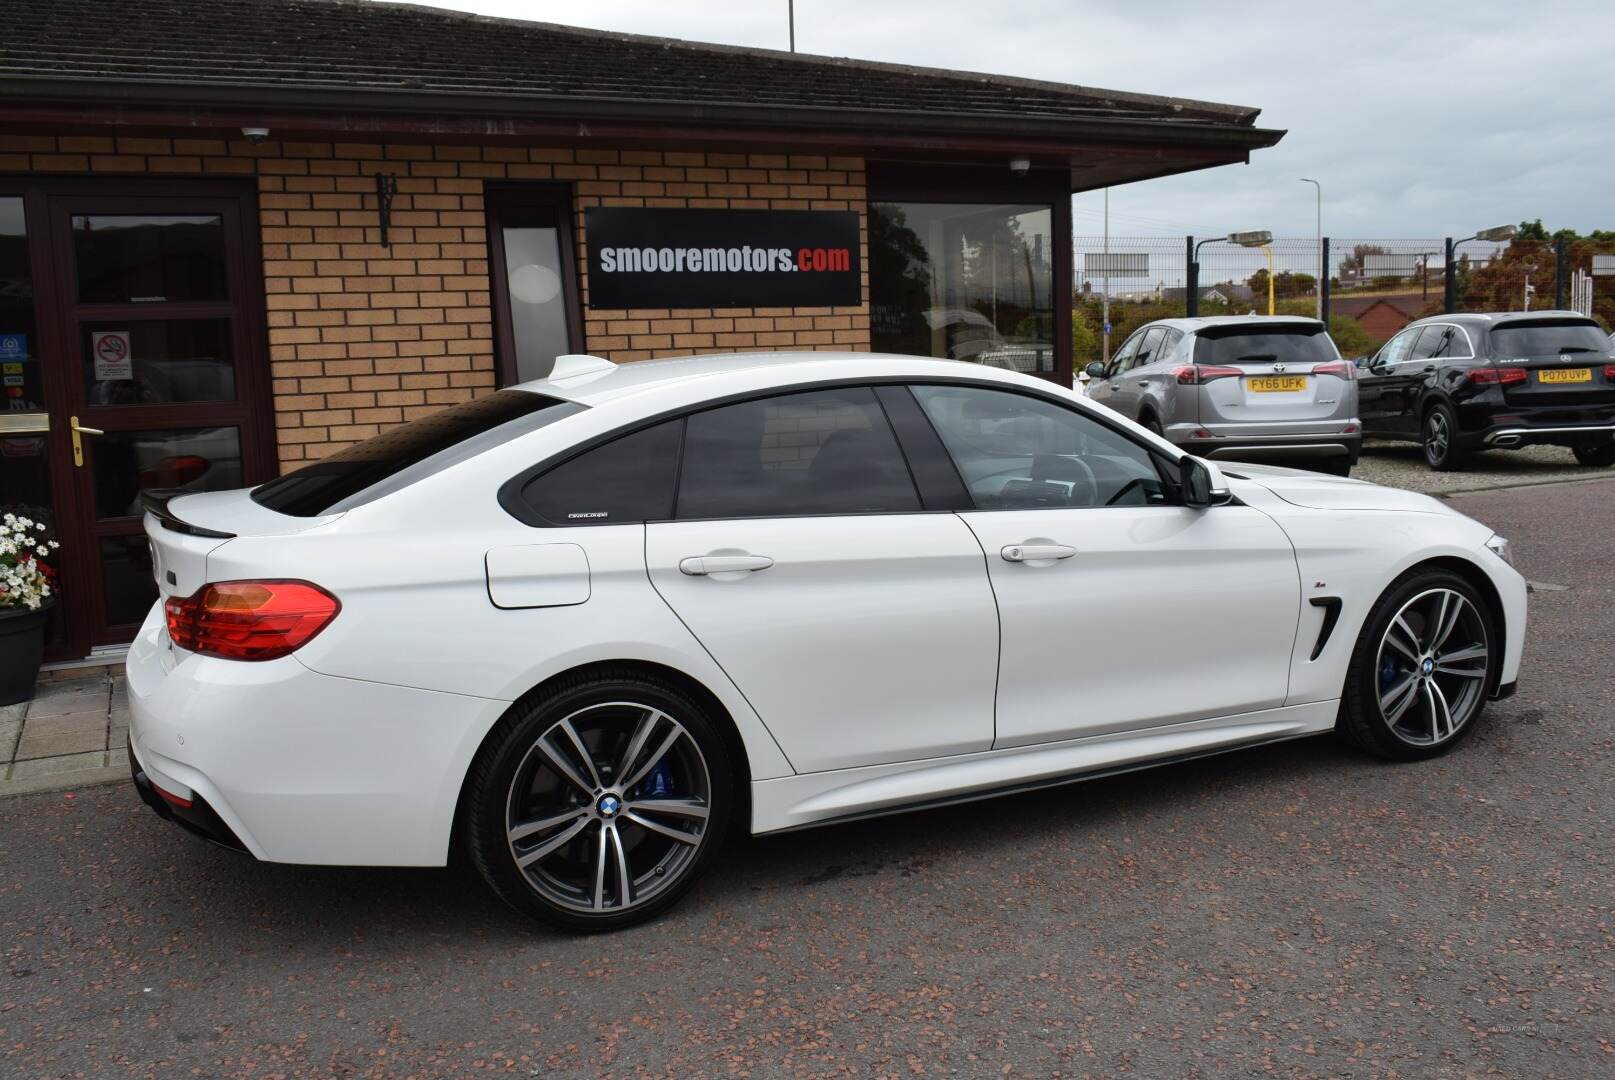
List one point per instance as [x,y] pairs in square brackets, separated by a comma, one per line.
[149,362]
[964,282]
[130,462]
[149,258]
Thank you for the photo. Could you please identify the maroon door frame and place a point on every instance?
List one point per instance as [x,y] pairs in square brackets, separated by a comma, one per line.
[891,181]
[49,204]
[515,204]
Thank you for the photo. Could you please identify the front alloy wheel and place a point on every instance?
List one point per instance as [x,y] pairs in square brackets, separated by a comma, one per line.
[1420,670]
[600,804]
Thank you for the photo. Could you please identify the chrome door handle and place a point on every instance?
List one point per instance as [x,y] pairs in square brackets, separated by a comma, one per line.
[1143,384]
[81,429]
[701,565]
[1036,552]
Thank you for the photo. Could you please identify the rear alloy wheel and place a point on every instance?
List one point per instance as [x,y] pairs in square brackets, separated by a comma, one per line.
[1441,450]
[1596,457]
[600,803]
[1420,669]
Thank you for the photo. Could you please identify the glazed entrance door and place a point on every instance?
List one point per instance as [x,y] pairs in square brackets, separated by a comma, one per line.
[135,313]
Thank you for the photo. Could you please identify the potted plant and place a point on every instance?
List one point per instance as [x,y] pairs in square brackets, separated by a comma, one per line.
[26,590]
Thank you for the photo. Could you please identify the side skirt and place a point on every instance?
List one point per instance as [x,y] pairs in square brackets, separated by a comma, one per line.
[809,799]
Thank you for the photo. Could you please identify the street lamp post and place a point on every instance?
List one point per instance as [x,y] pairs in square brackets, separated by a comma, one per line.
[1323,270]
[1243,239]
[1448,285]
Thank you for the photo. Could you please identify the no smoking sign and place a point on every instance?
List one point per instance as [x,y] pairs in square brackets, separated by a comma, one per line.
[111,351]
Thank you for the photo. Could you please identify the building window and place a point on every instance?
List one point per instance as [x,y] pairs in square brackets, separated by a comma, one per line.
[535,291]
[964,281]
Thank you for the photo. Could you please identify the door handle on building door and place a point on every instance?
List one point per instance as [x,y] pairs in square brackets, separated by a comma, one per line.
[78,443]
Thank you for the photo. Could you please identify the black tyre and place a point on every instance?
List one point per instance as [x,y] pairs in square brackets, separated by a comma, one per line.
[1150,422]
[597,804]
[1596,456]
[1440,438]
[1420,668]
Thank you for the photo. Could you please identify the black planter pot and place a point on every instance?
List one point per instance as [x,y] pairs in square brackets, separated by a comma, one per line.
[22,645]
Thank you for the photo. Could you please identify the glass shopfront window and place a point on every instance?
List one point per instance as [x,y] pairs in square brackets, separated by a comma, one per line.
[964,281]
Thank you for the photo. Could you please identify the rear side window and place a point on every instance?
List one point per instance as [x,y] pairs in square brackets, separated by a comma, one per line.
[811,453]
[629,479]
[1259,344]
[1548,337]
[409,453]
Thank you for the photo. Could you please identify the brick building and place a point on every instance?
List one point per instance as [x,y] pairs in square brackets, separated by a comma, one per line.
[236,235]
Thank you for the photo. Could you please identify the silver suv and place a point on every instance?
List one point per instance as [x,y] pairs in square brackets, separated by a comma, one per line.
[1238,386]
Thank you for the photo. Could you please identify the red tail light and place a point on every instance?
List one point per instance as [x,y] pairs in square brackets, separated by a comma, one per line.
[249,620]
[1504,376]
[1609,372]
[1197,374]
[1340,368]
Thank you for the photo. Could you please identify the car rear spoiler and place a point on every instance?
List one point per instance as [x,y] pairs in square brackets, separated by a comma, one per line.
[156,503]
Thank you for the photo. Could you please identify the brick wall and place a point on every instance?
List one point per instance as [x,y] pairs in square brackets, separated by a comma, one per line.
[362,337]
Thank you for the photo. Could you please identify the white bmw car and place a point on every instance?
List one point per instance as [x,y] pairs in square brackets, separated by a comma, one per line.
[583,626]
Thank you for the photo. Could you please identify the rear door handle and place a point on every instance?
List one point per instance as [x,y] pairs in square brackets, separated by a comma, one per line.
[1036,552]
[1143,384]
[701,565]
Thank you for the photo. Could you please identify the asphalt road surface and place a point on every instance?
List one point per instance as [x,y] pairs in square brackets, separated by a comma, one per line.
[1294,911]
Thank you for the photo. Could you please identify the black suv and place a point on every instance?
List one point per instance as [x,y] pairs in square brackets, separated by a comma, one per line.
[1461,383]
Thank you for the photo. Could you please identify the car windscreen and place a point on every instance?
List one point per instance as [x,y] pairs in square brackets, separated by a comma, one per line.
[1548,337]
[1269,344]
[410,452]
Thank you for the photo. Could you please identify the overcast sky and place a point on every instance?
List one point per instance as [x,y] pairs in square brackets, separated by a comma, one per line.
[1422,119]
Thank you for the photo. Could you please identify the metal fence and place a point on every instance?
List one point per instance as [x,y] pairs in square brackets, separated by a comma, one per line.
[1368,289]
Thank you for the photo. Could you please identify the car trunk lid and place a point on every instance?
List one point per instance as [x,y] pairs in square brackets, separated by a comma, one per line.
[185,529]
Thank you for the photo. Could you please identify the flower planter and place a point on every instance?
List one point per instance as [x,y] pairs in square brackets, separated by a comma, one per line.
[22,645]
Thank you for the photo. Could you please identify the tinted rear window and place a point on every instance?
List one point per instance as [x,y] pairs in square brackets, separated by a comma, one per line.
[409,453]
[1548,338]
[1264,345]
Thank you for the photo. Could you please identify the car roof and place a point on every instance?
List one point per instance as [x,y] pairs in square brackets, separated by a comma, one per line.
[594,381]
[1208,321]
[1497,317]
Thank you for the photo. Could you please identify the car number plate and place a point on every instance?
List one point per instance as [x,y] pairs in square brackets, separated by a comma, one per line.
[1565,375]
[1271,384]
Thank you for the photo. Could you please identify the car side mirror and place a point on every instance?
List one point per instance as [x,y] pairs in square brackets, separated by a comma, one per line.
[1095,370]
[1202,483]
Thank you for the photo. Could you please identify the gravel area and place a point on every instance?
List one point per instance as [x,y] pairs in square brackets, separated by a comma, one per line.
[1293,911]
[1396,464]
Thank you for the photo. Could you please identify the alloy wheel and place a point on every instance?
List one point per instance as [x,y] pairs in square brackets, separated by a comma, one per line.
[1437,436]
[608,808]
[1431,667]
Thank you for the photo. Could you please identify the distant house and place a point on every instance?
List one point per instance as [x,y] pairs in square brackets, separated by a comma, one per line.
[1379,316]
[1225,292]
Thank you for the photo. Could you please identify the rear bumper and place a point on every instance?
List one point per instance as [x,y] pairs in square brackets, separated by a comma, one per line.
[1230,442]
[297,767]
[1515,435]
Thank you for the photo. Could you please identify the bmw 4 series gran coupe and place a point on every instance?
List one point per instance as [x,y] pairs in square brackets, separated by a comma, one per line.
[583,627]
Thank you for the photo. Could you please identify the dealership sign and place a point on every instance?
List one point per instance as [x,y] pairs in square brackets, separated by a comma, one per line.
[671,258]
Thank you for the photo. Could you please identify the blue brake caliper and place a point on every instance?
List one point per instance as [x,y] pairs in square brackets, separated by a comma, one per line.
[658,783]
